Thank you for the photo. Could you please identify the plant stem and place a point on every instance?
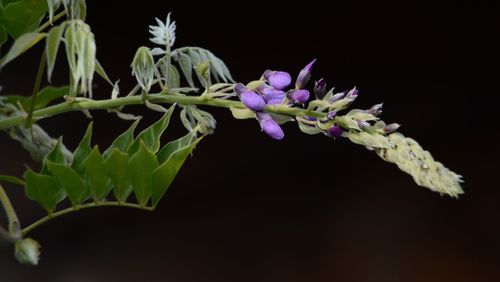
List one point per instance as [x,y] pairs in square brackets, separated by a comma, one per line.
[48,23]
[36,88]
[41,221]
[89,104]
[14,224]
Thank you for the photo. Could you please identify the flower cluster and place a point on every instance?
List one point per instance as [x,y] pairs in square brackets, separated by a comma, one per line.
[271,90]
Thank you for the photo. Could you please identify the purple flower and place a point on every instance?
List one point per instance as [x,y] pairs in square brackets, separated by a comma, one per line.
[270,126]
[331,115]
[240,88]
[301,95]
[362,123]
[253,101]
[304,75]
[335,131]
[337,97]
[320,88]
[272,96]
[278,79]
[352,94]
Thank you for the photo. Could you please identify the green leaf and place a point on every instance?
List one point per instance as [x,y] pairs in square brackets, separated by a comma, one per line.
[43,98]
[165,174]
[11,179]
[141,164]
[175,145]
[186,67]
[123,141]
[52,46]
[151,135]
[119,173]
[173,77]
[242,113]
[99,69]
[55,155]
[23,16]
[21,45]
[82,151]
[43,189]
[70,182]
[3,35]
[97,174]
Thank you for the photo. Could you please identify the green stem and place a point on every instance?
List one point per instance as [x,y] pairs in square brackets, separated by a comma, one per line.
[89,104]
[48,23]
[36,89]
[43,220]
[11,216]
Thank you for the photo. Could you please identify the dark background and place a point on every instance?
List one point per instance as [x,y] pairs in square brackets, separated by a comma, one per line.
[248,208]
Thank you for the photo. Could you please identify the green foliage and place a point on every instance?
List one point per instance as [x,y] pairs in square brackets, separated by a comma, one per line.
[141,164]
[52,46]
[194,57]
[43,98]
[21,45]
[128,165]
[24,16]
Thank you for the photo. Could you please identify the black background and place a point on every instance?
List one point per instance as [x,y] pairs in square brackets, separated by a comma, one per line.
[308,208]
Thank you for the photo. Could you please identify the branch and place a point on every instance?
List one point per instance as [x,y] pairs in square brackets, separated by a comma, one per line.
[163,98]
[41,221]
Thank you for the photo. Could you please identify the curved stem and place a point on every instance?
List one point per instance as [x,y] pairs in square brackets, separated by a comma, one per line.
[41,221]
[11,216]
[168,98]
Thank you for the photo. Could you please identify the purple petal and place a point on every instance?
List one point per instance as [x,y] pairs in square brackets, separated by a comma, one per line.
[390,128]
[335,131]
[270,126]
[320,88]
[352,94]
[278,79]
[300,96]
[304,75]
[240,88]
[272,96]
[337,97]
[253,101]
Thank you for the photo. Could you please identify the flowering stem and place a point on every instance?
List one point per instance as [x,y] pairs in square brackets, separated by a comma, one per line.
[168,98]
[43,220]
[13,234]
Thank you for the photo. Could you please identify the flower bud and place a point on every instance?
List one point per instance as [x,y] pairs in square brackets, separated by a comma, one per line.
[278,79]
[304,75]
[363,123]
[272,96]
[240,88]
[337,97]
[270,126]
[390,128]
[253,101]
[143,68]
[335,131]
[27,251]
[376,110]
[352,94]
[331,115]
[301,95]
[320,88]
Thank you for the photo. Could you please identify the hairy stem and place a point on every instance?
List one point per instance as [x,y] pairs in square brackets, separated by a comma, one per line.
[167,98]
[43,220]
[13,234]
